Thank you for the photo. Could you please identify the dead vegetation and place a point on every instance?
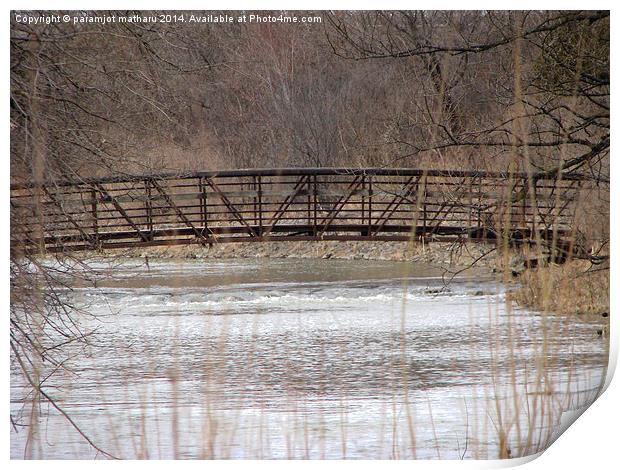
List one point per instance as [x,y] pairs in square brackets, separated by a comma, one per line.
[576,287]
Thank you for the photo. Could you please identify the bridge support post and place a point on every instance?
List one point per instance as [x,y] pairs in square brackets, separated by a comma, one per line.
[315,204]
[365,231]
[204,215]
[370,205]
[479,203]
[260,205]
[149,208]
[309,200]
[524,206]
[93,210]
[423,192]
[363,199]
[255,201]
[534,209]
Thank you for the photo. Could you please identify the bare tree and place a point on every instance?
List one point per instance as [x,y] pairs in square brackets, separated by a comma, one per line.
[86,100]
[564,96]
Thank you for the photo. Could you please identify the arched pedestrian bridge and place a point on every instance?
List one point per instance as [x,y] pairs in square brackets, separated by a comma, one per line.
[292,204]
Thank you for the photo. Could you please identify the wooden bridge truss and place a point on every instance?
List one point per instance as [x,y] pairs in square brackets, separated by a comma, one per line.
[290,204]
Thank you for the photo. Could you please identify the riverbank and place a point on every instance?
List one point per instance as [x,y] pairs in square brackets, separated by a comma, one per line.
[446,255]
[573,287]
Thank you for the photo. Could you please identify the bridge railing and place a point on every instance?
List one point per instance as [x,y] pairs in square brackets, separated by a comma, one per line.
[289,204]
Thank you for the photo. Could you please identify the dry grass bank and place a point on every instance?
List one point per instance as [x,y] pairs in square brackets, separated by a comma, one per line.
[572,288]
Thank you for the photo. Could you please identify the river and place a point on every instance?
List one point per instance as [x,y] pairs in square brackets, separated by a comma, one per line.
[288,358]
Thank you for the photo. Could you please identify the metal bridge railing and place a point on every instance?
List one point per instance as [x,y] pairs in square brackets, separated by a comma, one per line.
[290,204]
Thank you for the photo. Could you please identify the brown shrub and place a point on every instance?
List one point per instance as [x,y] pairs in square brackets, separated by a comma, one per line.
[569,288]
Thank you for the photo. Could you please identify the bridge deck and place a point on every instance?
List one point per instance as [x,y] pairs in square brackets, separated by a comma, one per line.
[289,204]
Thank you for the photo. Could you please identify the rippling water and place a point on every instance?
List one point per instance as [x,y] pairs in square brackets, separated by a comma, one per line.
[310,359]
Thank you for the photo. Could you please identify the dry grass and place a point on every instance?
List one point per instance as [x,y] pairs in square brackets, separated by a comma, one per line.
[571,288]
